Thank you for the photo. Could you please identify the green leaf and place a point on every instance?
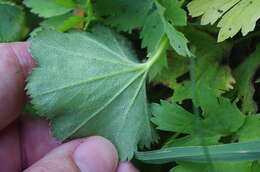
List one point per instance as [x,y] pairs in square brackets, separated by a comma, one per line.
[222,117]
[208,57]
[46,8]
[99,87]
[182,91]
[82,2]
[56,21]
[62,22]
[235,152]
[191,167]
[192,140]
[152,32]
[177,40]
[244,74]
[171,117]
[141,14]
[251,129]
[177,66]
[156,27]
[125,15]
[12,23]
[229,12]
[159,64]
[174,13]
[71,23]
[66,3]
[208,70]
[256,166]
[217,167]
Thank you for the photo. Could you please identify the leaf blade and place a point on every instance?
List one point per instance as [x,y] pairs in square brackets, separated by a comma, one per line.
[82,100]
[246,151]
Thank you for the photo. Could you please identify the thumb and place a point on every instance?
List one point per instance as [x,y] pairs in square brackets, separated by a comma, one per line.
[94,154]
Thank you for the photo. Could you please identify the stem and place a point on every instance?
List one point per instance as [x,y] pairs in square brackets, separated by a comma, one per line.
[157,54]
[90,14]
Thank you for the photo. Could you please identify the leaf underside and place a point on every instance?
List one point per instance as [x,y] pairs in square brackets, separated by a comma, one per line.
[91,84]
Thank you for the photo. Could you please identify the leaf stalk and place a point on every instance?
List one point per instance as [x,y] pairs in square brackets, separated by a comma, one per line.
[158,52]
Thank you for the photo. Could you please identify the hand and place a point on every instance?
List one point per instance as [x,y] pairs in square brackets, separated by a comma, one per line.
[26,142]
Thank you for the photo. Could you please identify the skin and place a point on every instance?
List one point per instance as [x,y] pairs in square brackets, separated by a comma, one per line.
[26,142]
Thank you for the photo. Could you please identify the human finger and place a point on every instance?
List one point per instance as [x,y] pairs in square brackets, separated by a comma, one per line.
[15,65]
[94,154]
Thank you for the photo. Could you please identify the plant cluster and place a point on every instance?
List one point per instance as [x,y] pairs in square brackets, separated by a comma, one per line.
[176,74]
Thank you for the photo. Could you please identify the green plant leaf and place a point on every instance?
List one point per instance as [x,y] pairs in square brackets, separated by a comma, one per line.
[82,2]
[229,12]
[142,14]
[246,151]
[174,13]
[152,32]
[244,74]
[124,15]
[256,166]
[221,118]
[12,22]
[99,87]
[208,57]
[171,117]
[208,70]
[191,140]
[46,8]
[251,129]
[62,22]
[177,67]
[156,27]
[217,167]
[66,3]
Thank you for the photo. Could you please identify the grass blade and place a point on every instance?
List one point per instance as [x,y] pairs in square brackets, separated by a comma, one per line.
[246,151]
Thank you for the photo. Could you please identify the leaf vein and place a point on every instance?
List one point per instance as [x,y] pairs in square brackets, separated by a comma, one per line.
[86,81]
[108,103]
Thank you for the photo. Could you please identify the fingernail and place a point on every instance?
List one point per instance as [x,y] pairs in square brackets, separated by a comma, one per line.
[96,154]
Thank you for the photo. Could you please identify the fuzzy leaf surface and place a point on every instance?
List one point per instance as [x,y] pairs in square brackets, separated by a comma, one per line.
[91,84]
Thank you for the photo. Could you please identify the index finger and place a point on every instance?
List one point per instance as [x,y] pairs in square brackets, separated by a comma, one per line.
[15,65]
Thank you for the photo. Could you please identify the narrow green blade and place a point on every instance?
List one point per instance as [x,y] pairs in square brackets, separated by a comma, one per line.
[246,151]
